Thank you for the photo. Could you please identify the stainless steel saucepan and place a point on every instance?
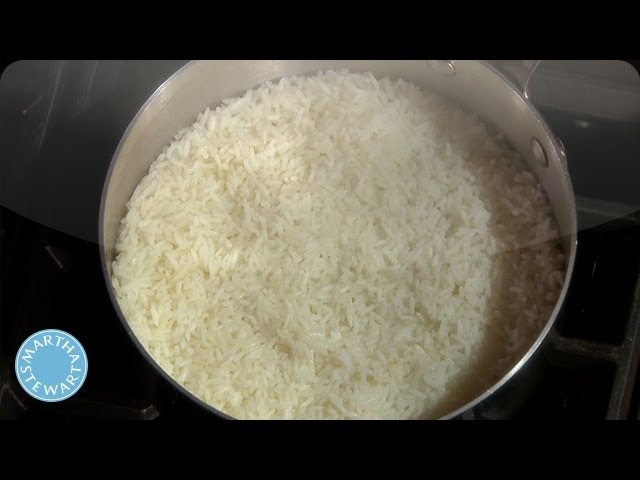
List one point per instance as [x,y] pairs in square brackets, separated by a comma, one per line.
[495,91]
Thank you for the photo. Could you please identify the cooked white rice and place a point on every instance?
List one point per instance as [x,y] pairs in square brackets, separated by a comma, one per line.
[337,246]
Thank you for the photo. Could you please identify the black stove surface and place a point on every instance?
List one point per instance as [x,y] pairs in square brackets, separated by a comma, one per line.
[51,184]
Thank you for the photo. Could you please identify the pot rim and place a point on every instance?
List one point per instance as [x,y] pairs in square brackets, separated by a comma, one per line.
[533,349]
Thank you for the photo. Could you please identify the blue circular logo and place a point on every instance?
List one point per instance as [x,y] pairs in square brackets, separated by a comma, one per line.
[51,365]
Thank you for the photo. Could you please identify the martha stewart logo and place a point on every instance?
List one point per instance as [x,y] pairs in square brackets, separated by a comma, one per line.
[51,365]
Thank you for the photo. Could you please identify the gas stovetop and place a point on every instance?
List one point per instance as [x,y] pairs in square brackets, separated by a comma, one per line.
[64,120]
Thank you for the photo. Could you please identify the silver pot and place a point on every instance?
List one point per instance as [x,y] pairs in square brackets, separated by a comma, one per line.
[495,92]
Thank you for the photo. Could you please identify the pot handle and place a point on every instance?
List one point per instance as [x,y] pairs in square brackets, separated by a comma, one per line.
[518,71]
